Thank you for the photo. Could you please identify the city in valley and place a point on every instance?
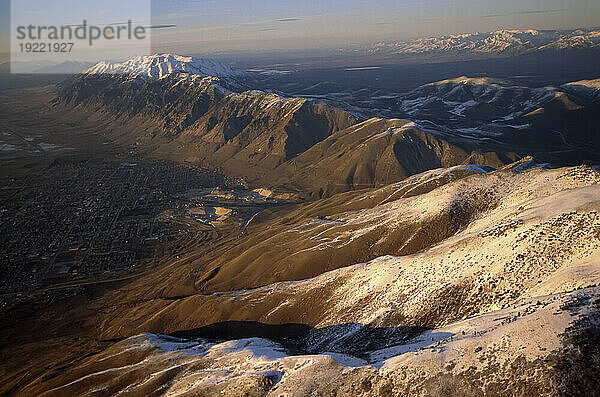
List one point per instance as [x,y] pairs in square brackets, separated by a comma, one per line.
[74,217]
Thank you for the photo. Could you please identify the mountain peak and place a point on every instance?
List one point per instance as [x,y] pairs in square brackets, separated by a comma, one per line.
[532,32]
[158,66]
[471,81]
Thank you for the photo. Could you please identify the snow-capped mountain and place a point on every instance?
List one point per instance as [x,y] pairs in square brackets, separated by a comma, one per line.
[158,66]
[509,42]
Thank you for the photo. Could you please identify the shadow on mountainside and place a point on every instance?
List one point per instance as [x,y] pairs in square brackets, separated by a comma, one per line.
[348,338]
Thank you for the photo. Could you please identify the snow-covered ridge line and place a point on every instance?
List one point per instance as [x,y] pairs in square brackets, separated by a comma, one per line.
[497,42]
[158,66]
[471,81]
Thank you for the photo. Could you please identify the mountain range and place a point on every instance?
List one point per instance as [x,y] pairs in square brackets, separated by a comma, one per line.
[506,42]
[455,281]
[500,42]
[442,241]
[170,107]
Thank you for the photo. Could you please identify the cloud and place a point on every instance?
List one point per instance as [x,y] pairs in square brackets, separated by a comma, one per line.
[268,23]
[161,26]
[530,12]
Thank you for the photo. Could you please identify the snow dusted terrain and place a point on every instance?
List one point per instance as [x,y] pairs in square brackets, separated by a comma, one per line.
[158,66]
[485,106]
[462,280]
[510,302]
[509,42]
[486,112]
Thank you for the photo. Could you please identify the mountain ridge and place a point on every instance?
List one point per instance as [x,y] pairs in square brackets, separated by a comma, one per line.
[500,42]
[260,135]
[158,65]
[506,297]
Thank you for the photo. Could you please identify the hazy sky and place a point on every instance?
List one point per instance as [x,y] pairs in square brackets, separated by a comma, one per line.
[209,25]
[229,25]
